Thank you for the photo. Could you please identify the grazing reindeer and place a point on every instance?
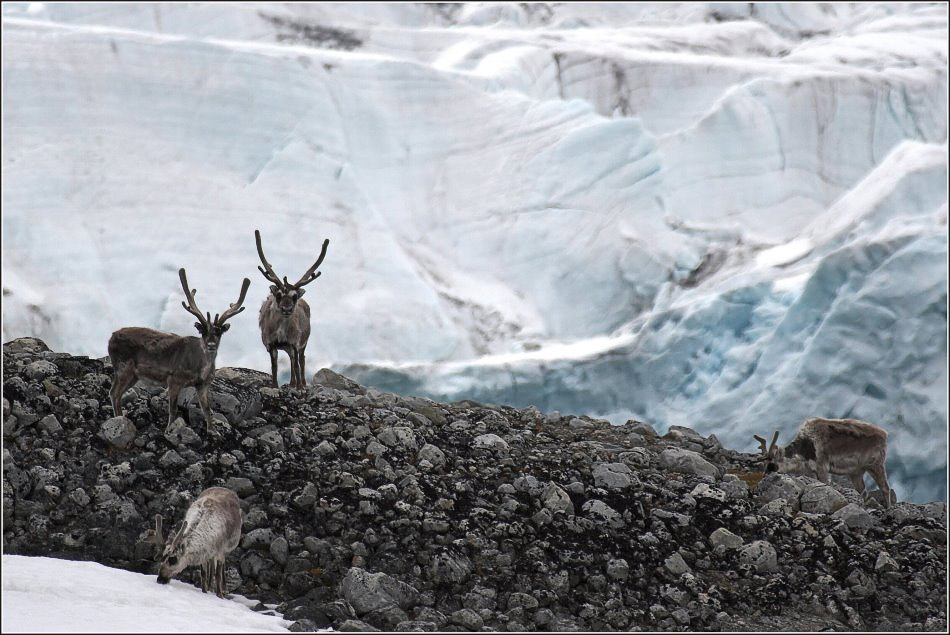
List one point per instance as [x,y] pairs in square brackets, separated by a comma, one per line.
[211,530]
[836,446]
[179,361]
[285,318]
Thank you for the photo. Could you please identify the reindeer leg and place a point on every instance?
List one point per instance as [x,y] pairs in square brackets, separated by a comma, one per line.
[273,364]
[302,368]
[122,381]
[292,354]
[203,400]
[220,577]
[880,477]
[857,481]
[173,389]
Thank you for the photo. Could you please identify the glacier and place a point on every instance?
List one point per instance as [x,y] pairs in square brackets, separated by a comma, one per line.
[728,216]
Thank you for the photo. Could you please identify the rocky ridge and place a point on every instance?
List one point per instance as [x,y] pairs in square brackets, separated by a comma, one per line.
[366,510]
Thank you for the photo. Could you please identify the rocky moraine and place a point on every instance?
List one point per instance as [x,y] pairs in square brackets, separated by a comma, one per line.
[367,510]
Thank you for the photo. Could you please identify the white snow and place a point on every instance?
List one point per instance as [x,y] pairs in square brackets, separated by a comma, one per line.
[725,216]
[48,595]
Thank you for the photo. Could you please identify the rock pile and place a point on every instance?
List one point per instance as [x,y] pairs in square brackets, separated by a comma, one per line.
[367,510]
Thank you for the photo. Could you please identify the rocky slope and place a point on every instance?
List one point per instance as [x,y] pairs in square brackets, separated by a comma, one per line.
[365,509]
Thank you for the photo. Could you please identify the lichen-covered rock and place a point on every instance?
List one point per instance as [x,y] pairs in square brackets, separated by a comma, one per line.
[372,591]
[688,462]
[613,476]
[854,516]
[491,441]
[776,485]
[760,555]
[725,538]
[118,432]
[822,499]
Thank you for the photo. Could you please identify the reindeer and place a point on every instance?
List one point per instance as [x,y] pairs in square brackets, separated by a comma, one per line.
[179,361]
[836,446]
[210,531]
[285,318]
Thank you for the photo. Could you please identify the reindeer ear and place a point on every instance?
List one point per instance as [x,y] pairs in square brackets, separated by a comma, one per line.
[300,293]
[225,327]
[274,289]
[200,327]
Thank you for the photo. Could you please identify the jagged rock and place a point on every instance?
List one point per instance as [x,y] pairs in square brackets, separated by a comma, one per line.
[822,499]
[725,538]
[602,512]
[234,401]
[243,487]
[50,424]
[244,377]
[357,626]
[371,591]
[704,490]
[118,432]
[178,433]
[467,619]
[676,565]
[26,345]
[492,441]
[399,437]
[688,462]
[613,476]
[330,379]
[885,563]
[776,485]
[41,369]
[432,454]
[777,507]
[760,555]
[854,516]
[450,568]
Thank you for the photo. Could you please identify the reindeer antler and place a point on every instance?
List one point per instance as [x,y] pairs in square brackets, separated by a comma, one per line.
[267,269]
[155,535]
[309,275]
[764,447]
[192,306]
[774,439]
[235,307]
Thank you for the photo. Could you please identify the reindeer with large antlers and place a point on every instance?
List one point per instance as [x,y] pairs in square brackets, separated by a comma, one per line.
[210,531]
[285,318]
[178,361]
[832,446]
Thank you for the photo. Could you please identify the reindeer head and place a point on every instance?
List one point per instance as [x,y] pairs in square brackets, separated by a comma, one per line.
[773,454]
[169,552]
[284,293]
[211,330]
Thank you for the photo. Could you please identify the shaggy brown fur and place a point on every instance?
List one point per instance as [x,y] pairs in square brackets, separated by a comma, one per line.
[833,446]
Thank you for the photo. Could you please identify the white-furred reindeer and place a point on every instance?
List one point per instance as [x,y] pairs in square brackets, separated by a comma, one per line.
[832,446]
[210,531]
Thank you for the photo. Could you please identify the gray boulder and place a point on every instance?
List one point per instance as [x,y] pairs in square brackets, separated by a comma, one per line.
[760,555]
[855,517]
[725,538]
[556,499]
[822,499]
[372,591]
[118,432]
[687,462]
[613,476]
[776,485]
